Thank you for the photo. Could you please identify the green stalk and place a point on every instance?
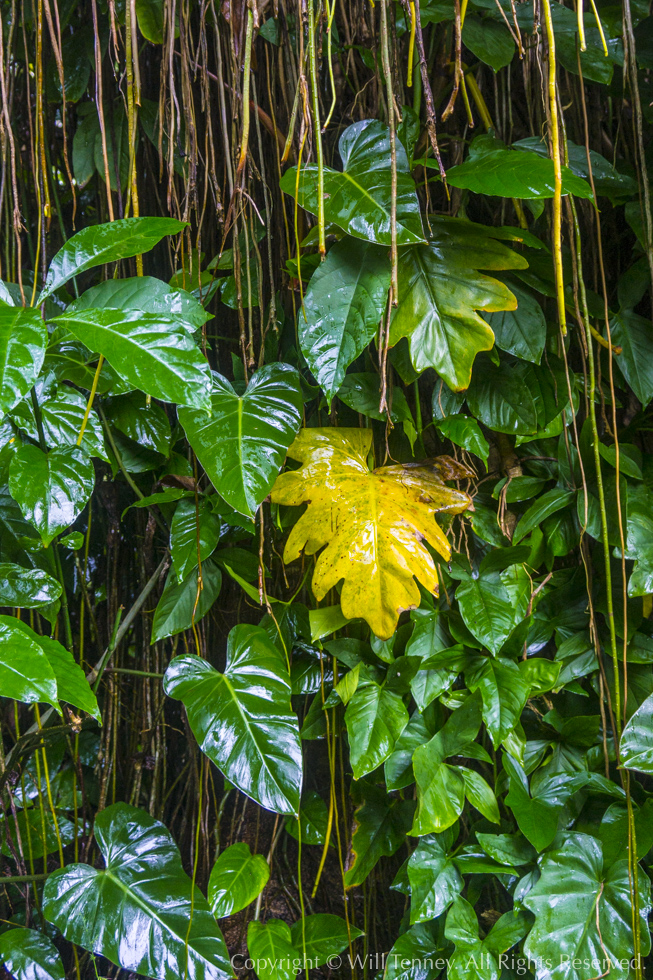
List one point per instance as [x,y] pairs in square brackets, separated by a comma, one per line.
[312,64]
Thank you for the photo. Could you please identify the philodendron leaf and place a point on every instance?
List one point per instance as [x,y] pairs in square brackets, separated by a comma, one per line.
[322,936]
[99,244]
[237,878]
[243,442]
[61,420]
[494,603]
[23,339]
[145,294]
[194,534]
[243,719]
[71,683]
[359,199]
[475,958]
[152,352]
[185,601]
[375,718]
[636,746]
[342,309]
[29,955]
[372,523]
[440,291]
[25,672]
[52,488]
[26,588]
[271,949]
[583,912]
[434,880]
[381,827]
[141,911]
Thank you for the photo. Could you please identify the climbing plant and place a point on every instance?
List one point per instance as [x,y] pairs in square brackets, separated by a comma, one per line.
[326,489]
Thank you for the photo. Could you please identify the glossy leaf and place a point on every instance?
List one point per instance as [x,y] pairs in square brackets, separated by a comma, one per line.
[26,588]
[145,294]
[323,936]
[489,41]
[29,955]
[492,609]
[342,309]
[372,523]
[152,352]
[61,419]
[242,718]
[440,291]
[148,425]
[416,955]
[243,442]
[52,488]
[636,746]
[313,820]
[501,397]
[25,672]
[381,826]
[180,606]
[434,880]
[237,878]
[271,949]
[359,199]
[521,332]
[475,958]
[99,244]
[136,912]
[465,432]
[375,718]
[23,339]
[633,333]
[583,911]
[504,692]
[548,503]
[194,535]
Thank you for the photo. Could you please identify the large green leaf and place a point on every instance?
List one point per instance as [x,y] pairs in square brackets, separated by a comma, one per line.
[381,827]
[634,334]
[62,413]
[500,396]
[25,672]
[521,332]
[180,605]
[148,425]
[342,309]
[417,954]
[141,911]
[194,534]
[636,746]
[323,936]
[475,958]
[504,691]
[23,339]
[26,588]
[142,293]
[493,604]
[490,41]
[583,912]
[440,291]
[548,503]
[237,878]
[243,442]
[29,955]
[434,880]
[271,950]
[493,169]
[152,352]
[99,244]
[52,488]
[375,718]
[243,719]
[359,199]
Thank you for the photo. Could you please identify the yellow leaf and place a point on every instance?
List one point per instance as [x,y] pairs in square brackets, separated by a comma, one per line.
[373,523]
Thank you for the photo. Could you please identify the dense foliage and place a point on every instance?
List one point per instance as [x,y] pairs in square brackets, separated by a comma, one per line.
[326,489]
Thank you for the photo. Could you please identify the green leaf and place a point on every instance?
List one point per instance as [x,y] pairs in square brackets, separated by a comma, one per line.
[313,819]
[25,672]
[141,912]
[607,180]
[634,334]
[490,41]
[583,911]
[248,730]
[148,425]
[179,605]
[23,339]
[475,958]
[52,488]
[99,244]
[29,955]
[61,418]
[381,827]
[499,396]
[237,878]
[152,352]
[38,832]
[549,503]
[194,535]
[521,332]
[360,391]
[150,19]
[507,849]
[375,718]
[537,815]
[243,442]
[434,880]
[270,947]
[440,291]
[490,611]
[342,309]
[359,199]
[480,794]
[26,588]
[493,169]
[414,956]
[142,293]
[323,936]
[504,693]
[465,432]
[636,746]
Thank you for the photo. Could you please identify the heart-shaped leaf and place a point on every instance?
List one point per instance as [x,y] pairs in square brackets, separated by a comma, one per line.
[29,955]
[243,719]
[52,488]
[99,244]
[152,352]
[237,878]
[142,293]
[375,718]
[180,604]
[26,588]
[434,880]
[373,523]
[141,911]
[23,338]
[243,442]
[25,672]
[194,534]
